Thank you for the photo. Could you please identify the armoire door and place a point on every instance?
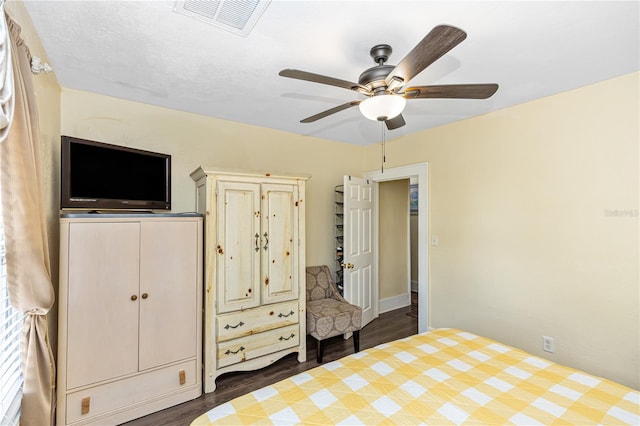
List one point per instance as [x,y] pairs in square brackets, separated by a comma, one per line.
[168,298]
[239,246]
[280,244]
[102,313]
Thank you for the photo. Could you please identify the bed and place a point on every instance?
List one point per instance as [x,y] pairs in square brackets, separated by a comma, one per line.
[444,376]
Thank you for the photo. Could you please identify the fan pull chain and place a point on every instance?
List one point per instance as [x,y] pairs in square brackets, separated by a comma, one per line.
[384,155]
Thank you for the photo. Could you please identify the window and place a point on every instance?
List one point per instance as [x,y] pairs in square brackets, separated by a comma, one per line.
[11,322]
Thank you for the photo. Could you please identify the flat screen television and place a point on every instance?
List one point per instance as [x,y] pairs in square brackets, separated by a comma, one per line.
[101,176]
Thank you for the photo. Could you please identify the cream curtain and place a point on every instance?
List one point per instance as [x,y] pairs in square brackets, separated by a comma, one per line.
[6,78]
[28,268]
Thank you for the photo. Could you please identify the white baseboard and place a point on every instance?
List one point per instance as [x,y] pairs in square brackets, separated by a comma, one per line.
[394,302]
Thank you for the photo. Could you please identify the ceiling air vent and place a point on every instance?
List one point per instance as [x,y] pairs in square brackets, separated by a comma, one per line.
[236,16]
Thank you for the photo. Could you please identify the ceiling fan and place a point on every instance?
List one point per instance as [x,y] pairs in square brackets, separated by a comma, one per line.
[384,85]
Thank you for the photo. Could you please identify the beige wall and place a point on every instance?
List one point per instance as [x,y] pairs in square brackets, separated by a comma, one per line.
[194,140]
[47,92]
[536,210]
[393,234]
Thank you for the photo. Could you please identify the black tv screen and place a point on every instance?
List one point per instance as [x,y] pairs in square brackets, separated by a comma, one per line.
[97,175]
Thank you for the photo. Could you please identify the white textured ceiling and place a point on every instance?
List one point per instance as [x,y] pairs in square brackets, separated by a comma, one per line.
[144,51]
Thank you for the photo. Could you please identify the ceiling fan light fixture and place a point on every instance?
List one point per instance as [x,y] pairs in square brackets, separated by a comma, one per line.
[382,107]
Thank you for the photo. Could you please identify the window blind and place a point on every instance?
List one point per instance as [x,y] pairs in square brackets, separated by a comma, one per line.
[11,322]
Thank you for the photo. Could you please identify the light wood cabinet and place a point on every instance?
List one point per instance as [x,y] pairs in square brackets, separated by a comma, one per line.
[254,304]
[130,309]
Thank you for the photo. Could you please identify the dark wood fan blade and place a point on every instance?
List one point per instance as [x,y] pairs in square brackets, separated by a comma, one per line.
[459,91]
[395,122]
[439,41]
[328,112]
[322,79]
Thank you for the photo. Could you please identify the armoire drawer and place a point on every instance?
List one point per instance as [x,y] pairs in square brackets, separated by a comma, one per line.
[91,402]
[249,347]
[256,320]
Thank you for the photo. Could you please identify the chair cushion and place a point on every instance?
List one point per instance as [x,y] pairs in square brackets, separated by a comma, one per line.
[330,317]
[319,282]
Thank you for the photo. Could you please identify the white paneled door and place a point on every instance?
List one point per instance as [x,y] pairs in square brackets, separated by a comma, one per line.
[359,283]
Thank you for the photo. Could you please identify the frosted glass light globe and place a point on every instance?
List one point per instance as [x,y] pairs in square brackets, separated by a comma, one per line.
[382,107]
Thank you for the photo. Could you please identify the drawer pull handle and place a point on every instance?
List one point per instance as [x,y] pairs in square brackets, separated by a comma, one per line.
[240,324]
[281,315]
[229,351]
[257,236]
[85,405]
[287,338]
[182,377]
[266,244]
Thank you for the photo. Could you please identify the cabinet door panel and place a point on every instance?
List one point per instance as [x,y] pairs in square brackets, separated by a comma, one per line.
[238,246]
[168,277]
[102,318]
[280,222]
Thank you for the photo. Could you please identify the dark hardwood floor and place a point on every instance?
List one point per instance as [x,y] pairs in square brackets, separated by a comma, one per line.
[387,327]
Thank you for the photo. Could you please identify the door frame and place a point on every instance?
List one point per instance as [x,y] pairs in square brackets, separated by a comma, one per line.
[420,171]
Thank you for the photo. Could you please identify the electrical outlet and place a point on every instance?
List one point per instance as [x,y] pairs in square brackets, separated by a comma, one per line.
[547,344]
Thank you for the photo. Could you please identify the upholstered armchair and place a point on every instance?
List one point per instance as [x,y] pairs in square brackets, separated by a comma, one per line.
[328,313]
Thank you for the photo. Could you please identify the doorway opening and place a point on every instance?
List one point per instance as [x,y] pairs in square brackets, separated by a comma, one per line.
[417,173]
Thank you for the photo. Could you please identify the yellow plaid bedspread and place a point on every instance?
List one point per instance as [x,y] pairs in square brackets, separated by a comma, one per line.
[444,376]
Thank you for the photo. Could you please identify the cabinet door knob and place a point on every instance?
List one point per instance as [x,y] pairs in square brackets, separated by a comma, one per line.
[145,295]
[134,297]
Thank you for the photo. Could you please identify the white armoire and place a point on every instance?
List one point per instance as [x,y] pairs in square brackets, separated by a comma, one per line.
[254,301]
[130,313]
